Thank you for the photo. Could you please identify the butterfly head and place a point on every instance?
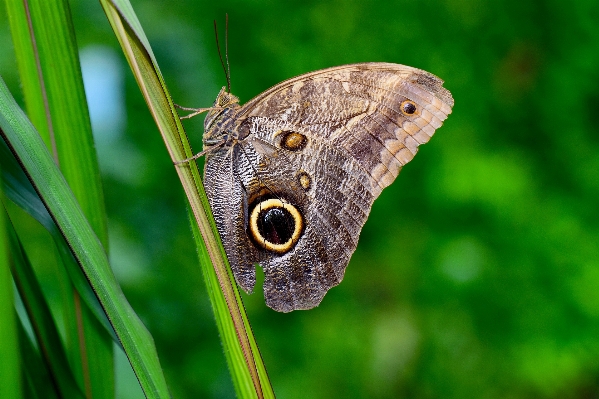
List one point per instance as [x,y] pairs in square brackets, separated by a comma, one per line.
[225,99]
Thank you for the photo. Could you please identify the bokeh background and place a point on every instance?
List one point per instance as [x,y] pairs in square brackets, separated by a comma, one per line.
[477,273]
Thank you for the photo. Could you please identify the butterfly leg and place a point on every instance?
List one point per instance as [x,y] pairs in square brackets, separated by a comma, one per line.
[196,111]
[200,154]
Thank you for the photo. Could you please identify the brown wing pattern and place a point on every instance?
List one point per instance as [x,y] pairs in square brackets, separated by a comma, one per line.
[357,108]
[359,135]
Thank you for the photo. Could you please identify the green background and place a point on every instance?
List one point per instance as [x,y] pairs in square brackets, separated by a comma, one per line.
[477,273]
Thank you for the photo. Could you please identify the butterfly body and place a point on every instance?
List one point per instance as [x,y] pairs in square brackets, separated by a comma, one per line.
[291,175]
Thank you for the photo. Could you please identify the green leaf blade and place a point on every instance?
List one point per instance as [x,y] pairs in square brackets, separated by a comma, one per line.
[30,150]
[48,61]
[243,357]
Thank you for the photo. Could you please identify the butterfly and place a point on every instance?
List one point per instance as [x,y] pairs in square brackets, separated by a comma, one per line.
[291,175]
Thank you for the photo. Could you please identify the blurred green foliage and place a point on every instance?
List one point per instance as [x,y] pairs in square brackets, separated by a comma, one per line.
[477,274]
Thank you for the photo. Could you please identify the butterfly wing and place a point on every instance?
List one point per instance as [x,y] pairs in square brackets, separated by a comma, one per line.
[328,142]
[358,108]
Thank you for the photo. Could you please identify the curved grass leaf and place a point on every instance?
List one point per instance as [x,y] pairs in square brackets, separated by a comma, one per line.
[18,189]
[30,151]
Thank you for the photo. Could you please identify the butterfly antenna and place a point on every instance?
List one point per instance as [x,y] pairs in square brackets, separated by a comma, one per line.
[227,52]
[220,55]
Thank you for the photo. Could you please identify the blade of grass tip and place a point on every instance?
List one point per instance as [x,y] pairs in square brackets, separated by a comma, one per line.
[149,78]
[27,146]
[51,79]
[40,317]
[10,381]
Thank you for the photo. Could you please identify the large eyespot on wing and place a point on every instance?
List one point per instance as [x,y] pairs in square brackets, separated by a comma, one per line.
[378,113]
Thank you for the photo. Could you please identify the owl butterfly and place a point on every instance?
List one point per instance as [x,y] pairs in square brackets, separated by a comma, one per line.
[291,175]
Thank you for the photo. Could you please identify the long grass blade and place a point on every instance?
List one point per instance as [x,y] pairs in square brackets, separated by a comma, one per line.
[245,363]
[25,143]
[48,62]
